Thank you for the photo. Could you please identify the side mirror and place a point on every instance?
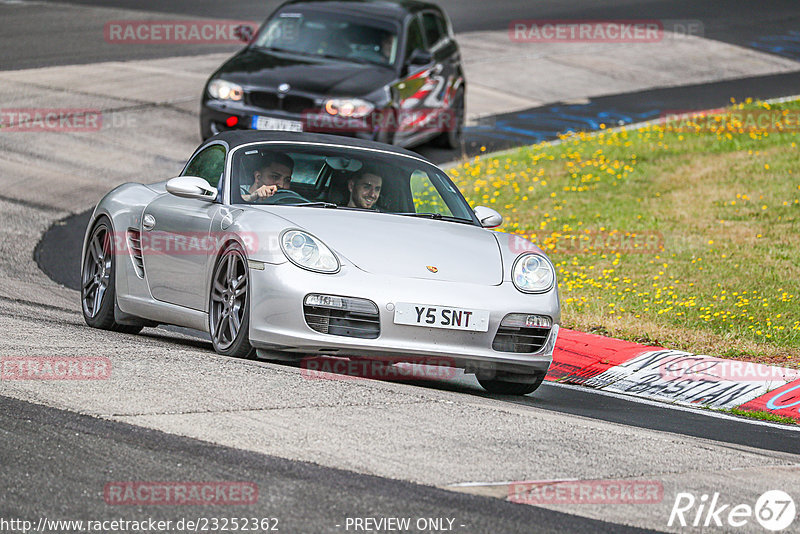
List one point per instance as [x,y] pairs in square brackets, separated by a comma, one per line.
[488,217]
[192,187]
[244,32]
[419,57]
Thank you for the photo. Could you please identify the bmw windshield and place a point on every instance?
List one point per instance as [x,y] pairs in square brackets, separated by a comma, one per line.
[330,35]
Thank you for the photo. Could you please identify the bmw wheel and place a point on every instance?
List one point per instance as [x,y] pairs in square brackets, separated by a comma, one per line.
[453,136]
[229,307]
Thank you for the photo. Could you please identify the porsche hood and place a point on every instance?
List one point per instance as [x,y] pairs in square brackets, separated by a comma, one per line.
[404,246]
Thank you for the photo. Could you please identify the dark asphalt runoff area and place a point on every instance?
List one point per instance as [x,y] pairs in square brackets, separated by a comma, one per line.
[56,465]
[764,24]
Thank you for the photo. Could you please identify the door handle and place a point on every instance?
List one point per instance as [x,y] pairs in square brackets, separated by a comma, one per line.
[149,222]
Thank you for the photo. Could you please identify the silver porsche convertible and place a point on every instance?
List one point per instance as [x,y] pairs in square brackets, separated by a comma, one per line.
[297,245]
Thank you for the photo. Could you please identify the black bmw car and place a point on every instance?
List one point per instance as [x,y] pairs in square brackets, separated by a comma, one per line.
[384,70]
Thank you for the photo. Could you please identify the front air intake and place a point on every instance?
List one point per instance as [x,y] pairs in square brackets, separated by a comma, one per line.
[523,333]
[342,316]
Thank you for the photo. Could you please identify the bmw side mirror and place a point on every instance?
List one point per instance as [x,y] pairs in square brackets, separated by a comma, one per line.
[244,32]
[192,187]
[488,217]
[419,58]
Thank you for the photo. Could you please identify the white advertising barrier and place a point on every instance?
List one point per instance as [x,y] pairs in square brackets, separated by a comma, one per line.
[685,378]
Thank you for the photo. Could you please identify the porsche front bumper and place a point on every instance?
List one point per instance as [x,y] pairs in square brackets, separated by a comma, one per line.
[277,321]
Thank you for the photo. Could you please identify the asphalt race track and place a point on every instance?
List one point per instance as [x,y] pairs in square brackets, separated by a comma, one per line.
[323,451]
[769,25]
[84,452]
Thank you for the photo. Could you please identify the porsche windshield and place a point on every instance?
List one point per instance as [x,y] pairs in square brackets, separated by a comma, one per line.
[345,178]
[330,35]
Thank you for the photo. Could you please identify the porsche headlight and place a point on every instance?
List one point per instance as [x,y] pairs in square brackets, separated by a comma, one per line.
[224,90]
[532,273]
[348,107]
[308,252]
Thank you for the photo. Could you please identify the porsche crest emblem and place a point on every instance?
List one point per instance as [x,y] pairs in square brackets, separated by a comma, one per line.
[432,269]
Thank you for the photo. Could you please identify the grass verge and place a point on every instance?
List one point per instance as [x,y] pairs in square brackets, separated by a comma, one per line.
[684,234]
[761,416]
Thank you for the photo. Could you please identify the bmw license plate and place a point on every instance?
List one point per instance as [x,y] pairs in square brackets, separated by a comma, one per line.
[271,123]
[441,317]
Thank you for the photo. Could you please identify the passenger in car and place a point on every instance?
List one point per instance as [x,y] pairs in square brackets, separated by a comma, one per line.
[365,188]
[273,173]
[387,46]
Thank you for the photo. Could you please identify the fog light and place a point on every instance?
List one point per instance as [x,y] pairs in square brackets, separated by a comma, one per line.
[326,301]
[525,320]
[334,302]
[232,121]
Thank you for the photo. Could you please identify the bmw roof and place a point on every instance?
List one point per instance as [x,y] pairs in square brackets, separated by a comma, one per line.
[396,9]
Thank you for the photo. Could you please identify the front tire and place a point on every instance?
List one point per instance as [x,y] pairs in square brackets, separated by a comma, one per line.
[452,138]
[505,387]
[98,293]
[388,127]
[229,305]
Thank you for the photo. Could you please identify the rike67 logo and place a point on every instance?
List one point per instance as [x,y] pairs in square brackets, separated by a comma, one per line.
[774,510]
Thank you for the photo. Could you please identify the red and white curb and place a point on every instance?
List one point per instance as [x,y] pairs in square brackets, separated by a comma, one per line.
[673,376]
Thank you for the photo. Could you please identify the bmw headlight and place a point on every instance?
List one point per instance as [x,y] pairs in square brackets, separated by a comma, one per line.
[354,108]
[308,252]
[224,90]
[532,273]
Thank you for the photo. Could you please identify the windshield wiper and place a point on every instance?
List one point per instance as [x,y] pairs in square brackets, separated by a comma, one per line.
[298,52]
[334,206]
[330,205]
[285,51]
[270,48]
[438,217]
[359,60]
[321,56]
[340,58]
